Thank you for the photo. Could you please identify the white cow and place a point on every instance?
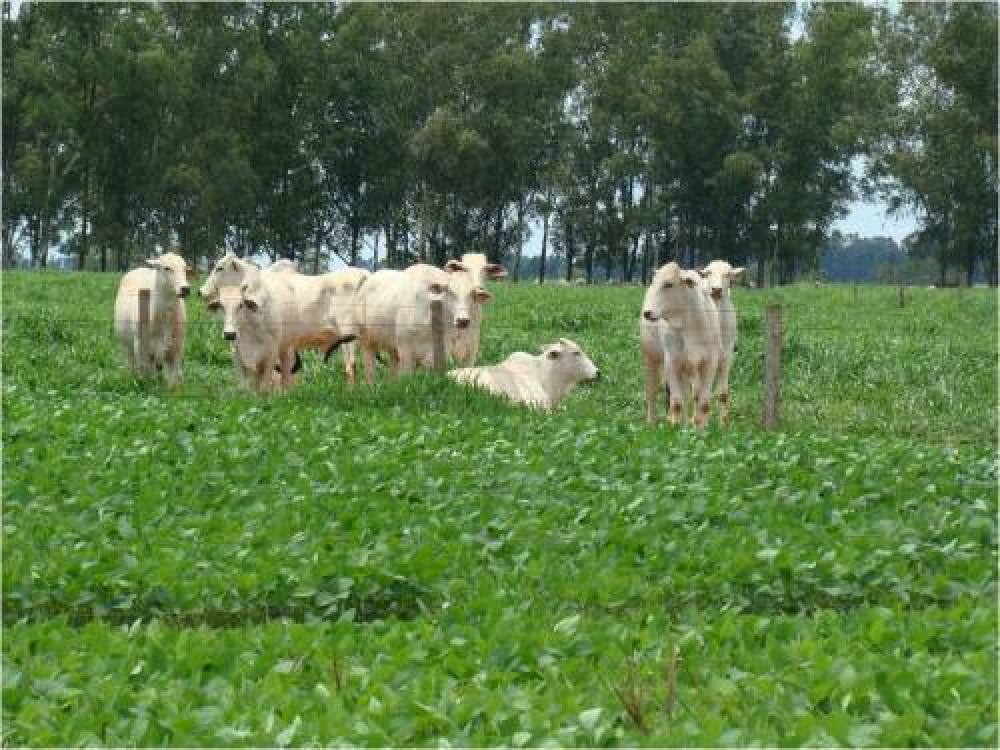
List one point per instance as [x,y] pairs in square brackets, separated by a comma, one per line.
[462,338]
[466,347]
[257,319]
[327,309]
[394,310]
[166,278]
[322,308]
[679,338]
[540,381]
[717,280]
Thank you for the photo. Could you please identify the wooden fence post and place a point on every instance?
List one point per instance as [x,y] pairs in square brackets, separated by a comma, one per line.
[772,365]
[437,334]
[902,296]
[144,296]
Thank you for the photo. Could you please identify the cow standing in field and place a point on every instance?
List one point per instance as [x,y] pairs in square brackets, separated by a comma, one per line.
[258,313]
[166,279]
[320,311]
[461,337]
[326,308]
[679,338]
[394,309]
[465,348]
[540,381]
[717,278]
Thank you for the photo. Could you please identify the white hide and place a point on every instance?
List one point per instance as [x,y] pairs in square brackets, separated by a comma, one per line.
[717,278]
[540,381]
[679,339]
[395,317]
[461,332]
[166,278]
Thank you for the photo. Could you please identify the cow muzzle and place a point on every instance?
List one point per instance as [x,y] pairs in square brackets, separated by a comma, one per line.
[229,335]
[462,322]
[716,292]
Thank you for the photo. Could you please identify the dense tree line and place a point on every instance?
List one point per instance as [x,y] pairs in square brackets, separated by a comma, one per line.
[385,133]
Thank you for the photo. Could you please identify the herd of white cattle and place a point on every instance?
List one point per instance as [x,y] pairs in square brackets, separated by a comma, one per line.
[687,329]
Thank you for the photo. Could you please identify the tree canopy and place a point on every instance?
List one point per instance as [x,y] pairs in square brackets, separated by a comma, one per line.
[386,133]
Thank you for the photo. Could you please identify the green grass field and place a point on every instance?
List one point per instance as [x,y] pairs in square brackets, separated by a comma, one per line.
[421,564]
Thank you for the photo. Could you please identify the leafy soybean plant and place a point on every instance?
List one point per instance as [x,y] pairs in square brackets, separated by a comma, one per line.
[418,563]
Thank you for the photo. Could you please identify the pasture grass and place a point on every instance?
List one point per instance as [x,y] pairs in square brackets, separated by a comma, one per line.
[419,562]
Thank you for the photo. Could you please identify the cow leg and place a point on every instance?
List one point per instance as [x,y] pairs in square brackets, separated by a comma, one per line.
[676,389]
[702,385]
[400,363]
[173,367]
[369,366]
[287,361]
[654,377]
[351,362]
[131,354]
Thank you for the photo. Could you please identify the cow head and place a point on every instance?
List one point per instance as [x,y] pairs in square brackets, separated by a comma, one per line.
[718,277]
[236,301]
[567,361]
[467,294]
[662,291]
[176,268]
[229,270]
[479,267]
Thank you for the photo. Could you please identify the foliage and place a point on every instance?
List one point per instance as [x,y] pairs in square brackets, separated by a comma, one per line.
[636,133]
[418,562]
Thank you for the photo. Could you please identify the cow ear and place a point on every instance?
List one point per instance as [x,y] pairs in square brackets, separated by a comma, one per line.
[496,271]
[437,288]
[455,265]
[734,272]
[481,295]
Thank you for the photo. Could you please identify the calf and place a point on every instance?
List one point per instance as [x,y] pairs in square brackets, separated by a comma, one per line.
[679,337]
[540,381]
[717,280]
[166,279]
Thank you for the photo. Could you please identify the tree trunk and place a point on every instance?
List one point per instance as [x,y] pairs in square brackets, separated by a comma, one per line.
[498,237]
[319,244]
[545,240]
[355,235]
[516,273]
[378,235]
[84,249]
[591,238]
[570,252]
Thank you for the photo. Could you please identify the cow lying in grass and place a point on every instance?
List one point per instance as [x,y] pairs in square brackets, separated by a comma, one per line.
[540,381]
